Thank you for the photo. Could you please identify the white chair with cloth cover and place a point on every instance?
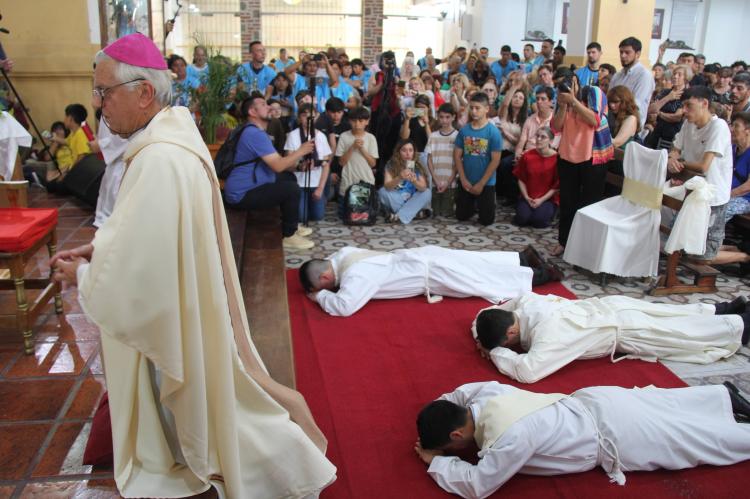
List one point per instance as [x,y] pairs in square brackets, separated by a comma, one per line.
[620,235]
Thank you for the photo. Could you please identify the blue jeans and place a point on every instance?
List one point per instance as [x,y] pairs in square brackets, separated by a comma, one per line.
[406,209]
[540,217]
[316,210]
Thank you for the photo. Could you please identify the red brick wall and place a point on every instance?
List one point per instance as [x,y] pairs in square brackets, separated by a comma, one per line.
[372,30]
[249,25]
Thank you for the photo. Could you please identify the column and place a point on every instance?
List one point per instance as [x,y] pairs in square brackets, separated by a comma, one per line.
[615,20]
[372,30]
[249,25]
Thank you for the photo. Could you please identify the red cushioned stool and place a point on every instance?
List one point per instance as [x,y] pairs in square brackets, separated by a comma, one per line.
[23,231]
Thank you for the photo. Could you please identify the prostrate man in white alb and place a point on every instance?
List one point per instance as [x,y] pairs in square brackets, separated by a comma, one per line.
[348,279]
[618,429]
[191,404]
[554,331]
[635,76]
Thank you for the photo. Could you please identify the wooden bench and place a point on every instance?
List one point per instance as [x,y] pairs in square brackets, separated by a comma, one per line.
[703,276]
[257,247]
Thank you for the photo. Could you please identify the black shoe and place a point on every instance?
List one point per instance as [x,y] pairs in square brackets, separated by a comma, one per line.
[533,258]
[555,273]
[736,306]
[740,404]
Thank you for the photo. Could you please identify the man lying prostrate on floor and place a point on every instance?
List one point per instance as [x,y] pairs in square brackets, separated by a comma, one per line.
[553,434]
[344,282]
[555,331]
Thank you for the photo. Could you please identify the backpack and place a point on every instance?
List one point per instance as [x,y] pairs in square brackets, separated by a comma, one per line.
[224,161]
[360,204]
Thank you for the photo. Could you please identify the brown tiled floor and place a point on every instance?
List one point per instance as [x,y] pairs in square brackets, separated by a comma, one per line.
[47,399]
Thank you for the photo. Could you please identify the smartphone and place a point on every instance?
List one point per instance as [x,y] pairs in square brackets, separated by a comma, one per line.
[418,111]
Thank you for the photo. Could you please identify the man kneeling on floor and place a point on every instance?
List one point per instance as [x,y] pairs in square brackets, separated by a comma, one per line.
[555,331]
[553,434]
[344,282]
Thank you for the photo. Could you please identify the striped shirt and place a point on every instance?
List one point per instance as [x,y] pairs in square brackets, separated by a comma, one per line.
[440,147]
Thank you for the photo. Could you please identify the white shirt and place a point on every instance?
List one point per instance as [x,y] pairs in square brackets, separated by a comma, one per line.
[641,82]
[556,331]
[322,149]
[618,429]
[113,147]
[694,142]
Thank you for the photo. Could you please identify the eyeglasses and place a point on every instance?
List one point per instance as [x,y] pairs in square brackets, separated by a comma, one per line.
[101,92]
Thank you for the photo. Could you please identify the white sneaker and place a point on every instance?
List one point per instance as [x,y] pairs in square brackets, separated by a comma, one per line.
[297,242]
[303,231]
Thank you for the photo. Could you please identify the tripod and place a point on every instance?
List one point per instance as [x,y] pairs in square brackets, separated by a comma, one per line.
[45,146]
[309,160]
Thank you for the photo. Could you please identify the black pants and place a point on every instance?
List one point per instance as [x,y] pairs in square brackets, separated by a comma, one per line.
[284,193]
[507,183]
[467,204]
[581,184]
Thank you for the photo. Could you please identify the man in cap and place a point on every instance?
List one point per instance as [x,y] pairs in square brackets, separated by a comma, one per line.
[191,403]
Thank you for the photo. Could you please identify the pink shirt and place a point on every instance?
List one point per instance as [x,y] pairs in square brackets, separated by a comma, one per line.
[530,127]
[577,140]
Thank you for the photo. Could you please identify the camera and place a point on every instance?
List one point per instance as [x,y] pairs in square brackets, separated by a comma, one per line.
[318,57]
[565,85]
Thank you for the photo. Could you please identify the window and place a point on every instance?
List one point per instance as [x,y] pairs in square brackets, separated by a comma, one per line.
[213,23]
[409,27]
[311,25]
[540,20]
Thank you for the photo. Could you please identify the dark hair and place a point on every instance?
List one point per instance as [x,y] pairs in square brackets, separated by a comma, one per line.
[549,40]
[446,108]
[59,124]
[283,76]
[300,95]
[422,99]
[359,113]
[712,68]
[610,68]
[492,327]
[742,77]
[742,64]
[334,105]
[77,112]
[357,62]
[523,111]
[483,48]
[546,91]
[657,65]
[248,102]
[515,57]
[562,72]
[305,108]
[481,98]
[304,277]
[560,49]
[700,57]
[174,58]
[505,48]
[529,45]
[686,54]
[632,42]
[437,420]
[253,44]
[696,92]
[743,117]
[594,45]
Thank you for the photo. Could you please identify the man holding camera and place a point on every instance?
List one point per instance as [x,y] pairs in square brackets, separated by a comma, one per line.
[385,121]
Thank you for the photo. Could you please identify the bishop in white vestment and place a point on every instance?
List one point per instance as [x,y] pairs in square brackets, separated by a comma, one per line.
[555,331]
[191,403]
[348,279]
[618,429]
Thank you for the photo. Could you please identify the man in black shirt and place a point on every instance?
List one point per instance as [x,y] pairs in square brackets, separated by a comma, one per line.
[333,123]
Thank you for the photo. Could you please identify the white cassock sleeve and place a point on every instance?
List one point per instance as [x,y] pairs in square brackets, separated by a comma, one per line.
[543,358]
[503,460]
[355,291]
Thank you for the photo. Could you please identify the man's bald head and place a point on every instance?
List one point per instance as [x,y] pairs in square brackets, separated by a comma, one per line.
[316,274]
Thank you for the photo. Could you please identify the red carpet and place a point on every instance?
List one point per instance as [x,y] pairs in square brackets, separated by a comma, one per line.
[366,377]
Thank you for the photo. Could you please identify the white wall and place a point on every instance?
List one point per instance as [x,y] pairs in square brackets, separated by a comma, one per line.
[722,28]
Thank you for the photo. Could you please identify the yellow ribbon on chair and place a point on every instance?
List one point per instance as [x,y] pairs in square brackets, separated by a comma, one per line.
[642,193]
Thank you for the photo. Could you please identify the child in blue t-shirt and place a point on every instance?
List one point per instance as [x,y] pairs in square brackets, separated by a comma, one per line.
[477,155]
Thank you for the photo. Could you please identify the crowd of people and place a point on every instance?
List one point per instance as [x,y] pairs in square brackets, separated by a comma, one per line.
[454,136]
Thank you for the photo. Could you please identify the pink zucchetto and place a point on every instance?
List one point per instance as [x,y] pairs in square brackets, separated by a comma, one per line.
[136,50]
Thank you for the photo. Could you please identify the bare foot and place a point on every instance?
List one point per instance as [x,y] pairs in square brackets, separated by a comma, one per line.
[558,250]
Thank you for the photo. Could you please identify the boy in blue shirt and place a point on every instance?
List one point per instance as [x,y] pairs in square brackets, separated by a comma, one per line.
[476,156]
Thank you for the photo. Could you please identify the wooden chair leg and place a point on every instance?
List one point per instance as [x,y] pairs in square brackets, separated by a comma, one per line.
[52,249]
[22,306]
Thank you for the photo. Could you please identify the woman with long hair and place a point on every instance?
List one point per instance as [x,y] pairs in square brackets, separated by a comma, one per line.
[282,92]
[668,109]
[405,194]
[510,120]
[624,118]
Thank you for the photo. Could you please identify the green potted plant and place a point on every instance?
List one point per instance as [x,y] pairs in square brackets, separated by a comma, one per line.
[211,98]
